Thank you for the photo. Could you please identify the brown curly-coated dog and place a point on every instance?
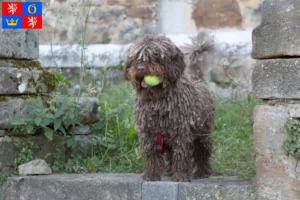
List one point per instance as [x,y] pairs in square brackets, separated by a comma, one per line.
[179,112]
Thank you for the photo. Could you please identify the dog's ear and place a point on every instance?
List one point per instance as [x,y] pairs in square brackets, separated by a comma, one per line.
[126,67]
[175,66]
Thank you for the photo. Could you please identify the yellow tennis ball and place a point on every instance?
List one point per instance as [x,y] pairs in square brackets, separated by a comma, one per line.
[152,80]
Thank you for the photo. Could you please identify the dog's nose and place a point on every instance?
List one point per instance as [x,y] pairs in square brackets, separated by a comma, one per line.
[141,68]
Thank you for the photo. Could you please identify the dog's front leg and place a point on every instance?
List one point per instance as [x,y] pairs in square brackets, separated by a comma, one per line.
[182,147]
[153,169]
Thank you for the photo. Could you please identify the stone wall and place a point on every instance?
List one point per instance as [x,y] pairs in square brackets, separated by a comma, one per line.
[117,21]
[22,77]
[276,81]
[122,21]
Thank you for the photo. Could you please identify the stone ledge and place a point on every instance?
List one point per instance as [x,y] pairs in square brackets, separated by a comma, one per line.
[24,77]
[121,187]
[276,79]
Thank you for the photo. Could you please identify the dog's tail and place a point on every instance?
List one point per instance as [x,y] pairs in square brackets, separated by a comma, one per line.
[194,57]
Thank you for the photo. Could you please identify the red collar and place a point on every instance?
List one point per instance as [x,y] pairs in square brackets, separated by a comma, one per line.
[160,146]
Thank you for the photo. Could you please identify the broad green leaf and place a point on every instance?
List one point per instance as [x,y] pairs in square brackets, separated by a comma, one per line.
[17,122]
[70,142]
[57,124]
[38,121]
[29,129]
[49,133]
[62,129]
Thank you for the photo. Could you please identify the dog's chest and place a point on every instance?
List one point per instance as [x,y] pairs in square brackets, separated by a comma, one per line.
[155,116]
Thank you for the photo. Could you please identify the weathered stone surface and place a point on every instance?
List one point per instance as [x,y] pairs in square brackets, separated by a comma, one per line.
[277,174]
[273,182]
[294,110]
[277,35]
[75,187]
[7,153]
[24,77]
[217,13]
[19,44]
[98,56]
[2,133]
[12,107]
[34,167]
[160,190]
[8,150]
[276,78]
[223,190]
[105,22]
[140,12]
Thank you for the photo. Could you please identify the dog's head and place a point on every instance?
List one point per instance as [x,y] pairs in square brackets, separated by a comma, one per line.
[153,54]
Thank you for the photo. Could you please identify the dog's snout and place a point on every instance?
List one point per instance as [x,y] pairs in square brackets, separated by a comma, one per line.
[141,68]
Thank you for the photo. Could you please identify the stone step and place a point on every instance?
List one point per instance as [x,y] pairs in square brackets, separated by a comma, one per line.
[121,187]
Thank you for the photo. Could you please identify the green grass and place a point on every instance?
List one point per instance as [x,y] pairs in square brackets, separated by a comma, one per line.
[233,138]
[119,148]
[117,145]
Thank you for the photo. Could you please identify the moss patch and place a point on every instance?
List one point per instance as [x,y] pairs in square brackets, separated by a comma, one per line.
[25,64]
[47,78]
[3,99]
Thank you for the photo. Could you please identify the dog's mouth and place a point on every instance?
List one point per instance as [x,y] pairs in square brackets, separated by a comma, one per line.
[144,85]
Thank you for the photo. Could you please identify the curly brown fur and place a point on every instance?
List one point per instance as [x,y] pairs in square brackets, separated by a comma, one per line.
[179,107]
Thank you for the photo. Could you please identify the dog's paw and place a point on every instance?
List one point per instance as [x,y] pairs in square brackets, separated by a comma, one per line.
[181,178]
[147,177]
[201,175]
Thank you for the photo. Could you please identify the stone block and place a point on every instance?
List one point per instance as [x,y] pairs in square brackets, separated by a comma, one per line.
[277,173]
[273,182]
[269,131]
[140,12]
[19,44]
[217,13]
[277,35]
[75,187]
[276,79]
[209,189]
[160,190]
[12,107]
[24,77]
